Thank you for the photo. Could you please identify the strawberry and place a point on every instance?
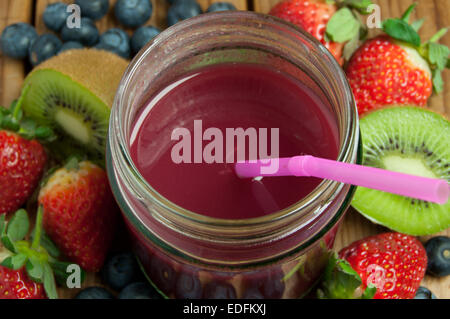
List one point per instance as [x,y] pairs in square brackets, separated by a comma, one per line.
[395,68]
[15,284]
[22,157]
[29,270]
[80,212]
[324,19]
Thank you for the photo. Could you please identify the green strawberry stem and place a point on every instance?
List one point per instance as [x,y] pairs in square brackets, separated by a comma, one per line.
[341,281]
[13,119]
[38,258]
[437,55]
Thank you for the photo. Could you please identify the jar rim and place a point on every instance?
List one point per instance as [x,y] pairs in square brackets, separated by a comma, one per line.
[346,153]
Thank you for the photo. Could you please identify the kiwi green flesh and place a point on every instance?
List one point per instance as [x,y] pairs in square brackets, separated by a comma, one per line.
[410,140]
[71,109]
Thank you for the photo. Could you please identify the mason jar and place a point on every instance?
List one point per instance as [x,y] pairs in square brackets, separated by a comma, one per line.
[188,255]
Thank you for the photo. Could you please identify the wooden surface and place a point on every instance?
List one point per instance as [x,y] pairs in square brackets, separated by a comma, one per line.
[436,12]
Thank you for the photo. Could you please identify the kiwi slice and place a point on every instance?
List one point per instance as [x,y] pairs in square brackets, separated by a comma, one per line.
[73,92]
[409,140]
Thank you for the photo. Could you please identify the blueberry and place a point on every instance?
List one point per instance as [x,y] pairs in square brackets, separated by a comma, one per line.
[115,40]
[87,34]
[139,290]
[142,36]
[94,9]
[181,10]
[55,16]
[70,46]
[438,253]
[94,293]
[219,290]
[133,13]
[267,284]
[16,40]
[188,286]
[162,275]
[45,46]
[221,6]
[424,293]
[120,270]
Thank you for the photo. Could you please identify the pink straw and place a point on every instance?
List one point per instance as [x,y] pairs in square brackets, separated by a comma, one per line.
[424,188]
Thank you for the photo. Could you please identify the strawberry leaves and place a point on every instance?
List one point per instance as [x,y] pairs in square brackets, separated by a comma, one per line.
[13,119]
[341,281]
[38,258]
[437,55]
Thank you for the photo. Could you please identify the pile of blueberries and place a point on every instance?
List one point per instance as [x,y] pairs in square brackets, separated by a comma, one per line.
[121,274]
[21,40]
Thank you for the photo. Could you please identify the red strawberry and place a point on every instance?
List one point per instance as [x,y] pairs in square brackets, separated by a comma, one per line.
[22,163]
[396,69]
[80,212]
[15,284]
[383,72]
[394,263]
[314,16]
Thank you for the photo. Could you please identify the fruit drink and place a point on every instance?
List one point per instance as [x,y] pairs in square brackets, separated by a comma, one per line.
[231,96]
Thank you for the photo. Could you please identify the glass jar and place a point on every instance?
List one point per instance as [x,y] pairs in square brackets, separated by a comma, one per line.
[188,255]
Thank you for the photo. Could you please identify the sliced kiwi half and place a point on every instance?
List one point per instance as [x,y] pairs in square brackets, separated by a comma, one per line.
[73,92]
[409,140]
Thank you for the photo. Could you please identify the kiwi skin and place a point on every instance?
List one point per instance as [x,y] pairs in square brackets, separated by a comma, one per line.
[417,141]
[73,92]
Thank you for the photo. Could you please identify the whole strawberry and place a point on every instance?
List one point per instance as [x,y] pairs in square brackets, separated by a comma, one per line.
[22,157]
[396,69]
[80,212]
[15,284]
[325,19]
[392,262]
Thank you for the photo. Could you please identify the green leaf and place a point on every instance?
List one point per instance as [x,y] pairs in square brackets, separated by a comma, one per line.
[49,282]
[343,26]
[72,163]
[341,281]
[35,269]
[438,54]
[49,246]
[60,271]
[2,224]
[370,292]
[401,30]
[38,229]
[8,243]
[416,25]
[15,262]
[406,16]
[438,35]
[10,123]
[45,133]
[438,82]
[351,47]
[18,226]
[360,5]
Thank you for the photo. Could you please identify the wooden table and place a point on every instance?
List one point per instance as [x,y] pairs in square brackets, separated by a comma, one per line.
[436,12]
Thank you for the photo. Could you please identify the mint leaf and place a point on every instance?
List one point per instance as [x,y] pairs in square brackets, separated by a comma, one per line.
[438,82]
[401,30]
[18,226]
[49,282]
[438,54]
[343,26]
